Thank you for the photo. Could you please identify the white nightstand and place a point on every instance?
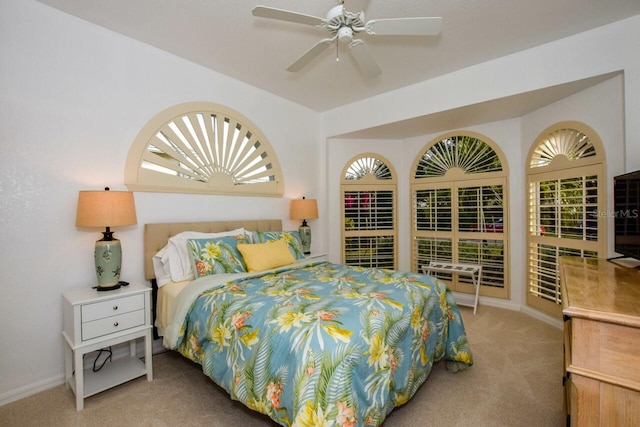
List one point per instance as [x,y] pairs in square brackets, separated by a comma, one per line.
[94,320]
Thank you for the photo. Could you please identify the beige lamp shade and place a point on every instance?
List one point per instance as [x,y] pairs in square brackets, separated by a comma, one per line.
[105,209]
[304,209]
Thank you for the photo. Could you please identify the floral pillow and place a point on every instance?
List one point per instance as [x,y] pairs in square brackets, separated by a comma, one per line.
[217,255]
[175,258]
[291,237]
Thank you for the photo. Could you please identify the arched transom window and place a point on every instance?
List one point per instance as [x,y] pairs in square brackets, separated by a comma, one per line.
[466,153]
[459,210]
[369,212]
[203,148]
[570,143]
[365,168]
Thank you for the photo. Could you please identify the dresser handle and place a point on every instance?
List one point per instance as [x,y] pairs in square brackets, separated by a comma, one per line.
[115,324]
[115,307]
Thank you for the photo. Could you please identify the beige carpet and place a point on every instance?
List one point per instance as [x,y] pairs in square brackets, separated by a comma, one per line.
[516,380]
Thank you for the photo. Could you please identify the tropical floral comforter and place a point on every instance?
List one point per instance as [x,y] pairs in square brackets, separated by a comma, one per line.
[324,344]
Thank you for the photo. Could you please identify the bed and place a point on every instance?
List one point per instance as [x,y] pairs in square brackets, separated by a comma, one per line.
[308,342]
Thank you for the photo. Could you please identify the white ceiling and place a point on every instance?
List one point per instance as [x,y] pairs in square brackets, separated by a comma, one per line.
[224,36]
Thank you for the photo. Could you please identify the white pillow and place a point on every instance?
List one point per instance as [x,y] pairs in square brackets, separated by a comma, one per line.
[163,276]
[175,258]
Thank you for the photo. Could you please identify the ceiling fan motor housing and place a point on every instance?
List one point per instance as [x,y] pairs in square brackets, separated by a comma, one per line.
[335,13]
[344,24]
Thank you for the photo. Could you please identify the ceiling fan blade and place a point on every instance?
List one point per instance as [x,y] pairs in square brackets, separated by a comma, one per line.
[286,15]
[364,58]
[306,57]
[429,26]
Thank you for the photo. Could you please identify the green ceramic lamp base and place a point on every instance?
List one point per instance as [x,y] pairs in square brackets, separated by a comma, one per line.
[305,238]
[108,259]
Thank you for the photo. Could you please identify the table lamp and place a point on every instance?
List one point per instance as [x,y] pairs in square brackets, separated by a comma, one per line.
[106,209]
[304,209]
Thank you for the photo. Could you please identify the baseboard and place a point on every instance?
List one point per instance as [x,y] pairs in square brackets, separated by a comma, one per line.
[542,317]
[157,347]
[119,351]
[508,305]
[26,391]
[467,299]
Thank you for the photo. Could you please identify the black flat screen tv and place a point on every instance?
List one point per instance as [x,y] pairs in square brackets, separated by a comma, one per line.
[627,214]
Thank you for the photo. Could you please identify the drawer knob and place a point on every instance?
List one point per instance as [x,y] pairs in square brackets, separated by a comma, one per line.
[115,324]
[115,307]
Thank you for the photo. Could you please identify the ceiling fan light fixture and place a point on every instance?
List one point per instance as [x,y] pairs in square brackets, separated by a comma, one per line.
[345,35]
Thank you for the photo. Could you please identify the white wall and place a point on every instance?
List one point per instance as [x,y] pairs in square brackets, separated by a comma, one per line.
[73,97]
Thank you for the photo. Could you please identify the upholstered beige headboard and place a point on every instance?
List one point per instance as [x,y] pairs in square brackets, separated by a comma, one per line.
[156,236]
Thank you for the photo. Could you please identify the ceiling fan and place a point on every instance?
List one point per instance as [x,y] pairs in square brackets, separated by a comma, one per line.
[343,25]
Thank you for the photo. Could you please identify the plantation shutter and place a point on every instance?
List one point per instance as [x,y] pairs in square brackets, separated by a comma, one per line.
[369,213]
[459,205]
[205,148]
[565,194]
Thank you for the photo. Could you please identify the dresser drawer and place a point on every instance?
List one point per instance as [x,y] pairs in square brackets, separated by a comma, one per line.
[607,349]
[113,324]
[100,310]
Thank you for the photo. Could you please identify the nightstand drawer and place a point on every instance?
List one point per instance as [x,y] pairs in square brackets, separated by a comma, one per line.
[94,320]
[113,324]
[100,310]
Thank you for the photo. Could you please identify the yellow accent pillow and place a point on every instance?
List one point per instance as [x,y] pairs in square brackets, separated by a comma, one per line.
[263,256]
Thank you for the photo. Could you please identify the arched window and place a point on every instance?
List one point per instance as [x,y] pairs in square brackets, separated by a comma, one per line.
[459,210]
[200,147]
[565,184]
[369,212]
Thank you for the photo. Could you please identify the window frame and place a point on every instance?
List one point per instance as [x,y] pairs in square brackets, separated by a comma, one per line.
[247,139]
[558,168]
[454,179]
[369,182]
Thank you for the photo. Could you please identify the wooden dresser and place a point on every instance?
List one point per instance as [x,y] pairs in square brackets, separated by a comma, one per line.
[601,309]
